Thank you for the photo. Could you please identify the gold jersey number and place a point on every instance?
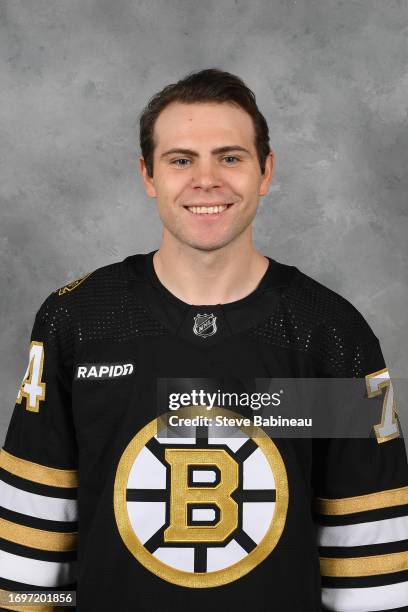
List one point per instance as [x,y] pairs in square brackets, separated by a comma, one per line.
[377,383]
[32,387]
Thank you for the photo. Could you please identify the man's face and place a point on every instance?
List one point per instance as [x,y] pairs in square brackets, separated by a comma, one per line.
[205,155]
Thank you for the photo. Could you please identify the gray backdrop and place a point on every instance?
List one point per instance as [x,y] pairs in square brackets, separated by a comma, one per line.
[331,78]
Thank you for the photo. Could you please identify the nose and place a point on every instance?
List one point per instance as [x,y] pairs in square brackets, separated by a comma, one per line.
[206,174]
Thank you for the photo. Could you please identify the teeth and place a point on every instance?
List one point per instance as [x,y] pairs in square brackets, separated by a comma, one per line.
[206,210]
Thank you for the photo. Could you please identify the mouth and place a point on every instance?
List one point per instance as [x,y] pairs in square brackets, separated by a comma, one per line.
[209,212]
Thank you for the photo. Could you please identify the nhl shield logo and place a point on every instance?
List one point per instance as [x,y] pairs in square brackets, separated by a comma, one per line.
[204,325]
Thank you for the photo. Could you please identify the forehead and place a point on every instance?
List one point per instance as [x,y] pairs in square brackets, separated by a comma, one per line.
[192,124]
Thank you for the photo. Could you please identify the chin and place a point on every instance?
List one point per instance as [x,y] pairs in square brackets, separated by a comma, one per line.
[208,246]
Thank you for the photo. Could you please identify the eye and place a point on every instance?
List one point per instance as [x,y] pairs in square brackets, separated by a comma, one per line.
[175,161]
[233,157]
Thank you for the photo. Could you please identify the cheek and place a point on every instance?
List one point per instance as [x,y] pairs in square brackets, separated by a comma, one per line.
[248,192]
[247,182]
[173,185]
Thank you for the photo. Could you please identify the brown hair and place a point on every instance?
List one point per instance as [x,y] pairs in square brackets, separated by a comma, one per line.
[209,85]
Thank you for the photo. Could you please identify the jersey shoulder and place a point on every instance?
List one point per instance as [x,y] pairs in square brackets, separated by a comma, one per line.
[101,305]
[324,307]
[314,319]
[65,311]
[103,281]
[102,277]
[95,288]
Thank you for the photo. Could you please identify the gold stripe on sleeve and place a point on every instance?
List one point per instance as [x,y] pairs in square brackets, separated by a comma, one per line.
[361,503]
[35,472]
[38,538]
[364,566]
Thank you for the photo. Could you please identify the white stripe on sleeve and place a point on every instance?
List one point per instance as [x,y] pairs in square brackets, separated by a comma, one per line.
[364,534]
[36,572]
[367,598]
[40,506]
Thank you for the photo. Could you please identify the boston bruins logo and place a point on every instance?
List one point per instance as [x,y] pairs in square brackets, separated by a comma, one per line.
[201,511]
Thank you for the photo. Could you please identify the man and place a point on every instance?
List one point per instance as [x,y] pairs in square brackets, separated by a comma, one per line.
[107,438]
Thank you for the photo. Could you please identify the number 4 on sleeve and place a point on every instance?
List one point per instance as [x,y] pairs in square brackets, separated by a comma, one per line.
[32,387]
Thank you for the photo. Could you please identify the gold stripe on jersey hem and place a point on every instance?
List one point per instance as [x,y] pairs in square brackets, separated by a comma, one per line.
[42,474]
[364,566]
[4,597]
[38,538]
[361,503]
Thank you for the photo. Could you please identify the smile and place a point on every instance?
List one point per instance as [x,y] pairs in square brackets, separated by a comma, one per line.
[208,210]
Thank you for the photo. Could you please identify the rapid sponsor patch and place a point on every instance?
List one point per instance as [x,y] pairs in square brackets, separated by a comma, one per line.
[100,371]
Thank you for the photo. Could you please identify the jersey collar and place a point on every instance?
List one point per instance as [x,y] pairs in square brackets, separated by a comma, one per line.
[206,325]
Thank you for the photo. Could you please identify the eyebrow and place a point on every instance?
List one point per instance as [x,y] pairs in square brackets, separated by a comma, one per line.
[217,151]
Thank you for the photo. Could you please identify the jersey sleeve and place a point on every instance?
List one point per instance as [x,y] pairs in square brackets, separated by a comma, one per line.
[39,466]
[361,506]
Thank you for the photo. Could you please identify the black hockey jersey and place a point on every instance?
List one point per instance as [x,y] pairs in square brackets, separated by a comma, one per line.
[100,495]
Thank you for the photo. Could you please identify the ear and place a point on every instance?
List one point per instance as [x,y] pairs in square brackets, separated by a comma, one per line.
[147,180]
[267,175]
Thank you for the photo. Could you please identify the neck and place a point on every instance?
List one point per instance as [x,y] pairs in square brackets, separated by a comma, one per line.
[203,277]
